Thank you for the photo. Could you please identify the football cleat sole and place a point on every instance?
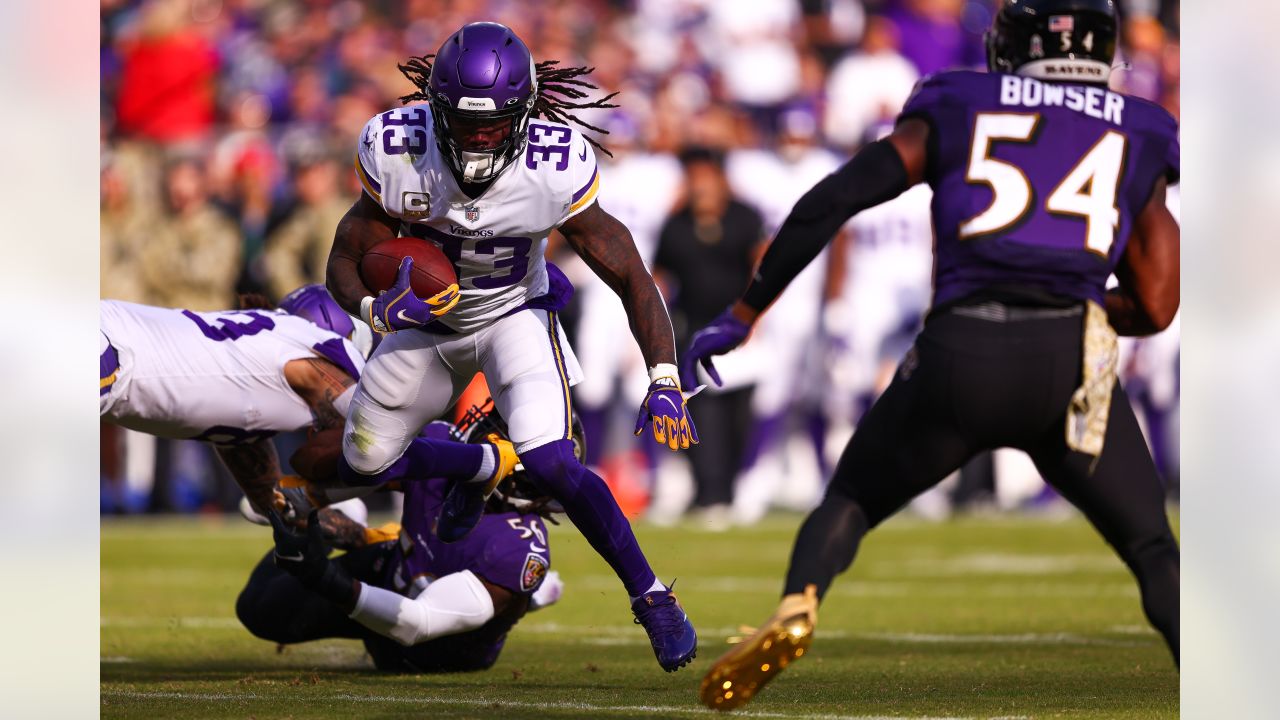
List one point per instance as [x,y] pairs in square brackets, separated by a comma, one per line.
[743,671]
[683,662]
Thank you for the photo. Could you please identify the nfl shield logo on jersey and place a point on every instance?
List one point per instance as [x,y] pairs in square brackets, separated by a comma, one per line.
[471,212]
[535,568]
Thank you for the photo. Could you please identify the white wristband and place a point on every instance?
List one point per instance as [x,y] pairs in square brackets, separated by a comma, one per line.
[366,308]
[665,370]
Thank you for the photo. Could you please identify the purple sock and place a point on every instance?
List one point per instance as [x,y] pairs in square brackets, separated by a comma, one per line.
[423,459]
[591,507]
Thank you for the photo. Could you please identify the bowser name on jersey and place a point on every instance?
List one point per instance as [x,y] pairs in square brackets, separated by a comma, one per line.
[1092,101]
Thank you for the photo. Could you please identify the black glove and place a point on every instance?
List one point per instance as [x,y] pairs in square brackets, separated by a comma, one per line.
[306,557]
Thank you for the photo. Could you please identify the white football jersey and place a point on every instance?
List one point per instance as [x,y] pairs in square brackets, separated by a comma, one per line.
[643,188]
[773,184]
[216,376]
[496,241]
[894,239]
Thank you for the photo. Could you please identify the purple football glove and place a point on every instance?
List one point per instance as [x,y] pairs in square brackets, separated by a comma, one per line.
[398,308]
[723,334]
[664,405]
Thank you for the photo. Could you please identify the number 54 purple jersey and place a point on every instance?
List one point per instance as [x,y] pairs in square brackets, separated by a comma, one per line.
[1036,184]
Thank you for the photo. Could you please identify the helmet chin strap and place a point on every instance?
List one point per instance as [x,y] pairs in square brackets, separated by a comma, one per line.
[478,168]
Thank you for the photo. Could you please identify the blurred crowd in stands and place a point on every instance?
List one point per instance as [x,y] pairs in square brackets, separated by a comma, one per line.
[228,129]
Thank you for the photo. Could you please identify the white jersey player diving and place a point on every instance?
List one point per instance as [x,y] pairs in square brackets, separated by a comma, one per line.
[214,376]
[232,378]
[476,174]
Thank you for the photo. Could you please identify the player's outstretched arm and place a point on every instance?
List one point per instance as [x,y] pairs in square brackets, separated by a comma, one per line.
[255,468]
[606,246]
[365,225]
[878,173]
[456,603]
[1148,295]
[324,387]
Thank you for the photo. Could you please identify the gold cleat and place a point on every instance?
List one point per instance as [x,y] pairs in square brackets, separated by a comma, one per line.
[739,674]
[507,461]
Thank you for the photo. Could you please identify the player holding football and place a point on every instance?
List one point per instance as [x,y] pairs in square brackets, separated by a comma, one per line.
[1044,184]
[473,174]
[232,378]
[419,604]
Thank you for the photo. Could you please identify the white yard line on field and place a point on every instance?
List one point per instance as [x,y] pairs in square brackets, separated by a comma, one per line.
[629,635]
[736,584]
[499,704]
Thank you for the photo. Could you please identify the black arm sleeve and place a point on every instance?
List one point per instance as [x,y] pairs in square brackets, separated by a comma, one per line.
[873,176]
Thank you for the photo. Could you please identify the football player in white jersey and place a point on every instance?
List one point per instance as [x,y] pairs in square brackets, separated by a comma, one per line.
[472,173]
[886,253]
[787,371]
[232,378]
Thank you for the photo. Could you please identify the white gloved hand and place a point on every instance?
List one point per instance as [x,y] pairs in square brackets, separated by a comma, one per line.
[548,593]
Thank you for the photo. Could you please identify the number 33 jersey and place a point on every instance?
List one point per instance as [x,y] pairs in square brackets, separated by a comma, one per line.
[496,241]
[216,376]
[1036,184]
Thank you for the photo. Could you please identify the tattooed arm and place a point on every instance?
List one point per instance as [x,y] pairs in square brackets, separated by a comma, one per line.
[606,246]
[341,531]
[256,469]
[321,385]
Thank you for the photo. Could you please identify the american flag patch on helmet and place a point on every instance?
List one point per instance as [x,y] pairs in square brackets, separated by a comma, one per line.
[1062,23]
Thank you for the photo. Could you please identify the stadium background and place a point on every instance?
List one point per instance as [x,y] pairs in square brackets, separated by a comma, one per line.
[265,158]
[228,128]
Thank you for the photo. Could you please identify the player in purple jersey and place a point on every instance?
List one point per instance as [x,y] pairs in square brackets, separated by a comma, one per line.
[1045,184]
[418,604]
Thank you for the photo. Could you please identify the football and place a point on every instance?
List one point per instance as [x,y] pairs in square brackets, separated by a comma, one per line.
[432,272]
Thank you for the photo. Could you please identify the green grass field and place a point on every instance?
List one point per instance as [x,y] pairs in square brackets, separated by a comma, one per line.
[976,618]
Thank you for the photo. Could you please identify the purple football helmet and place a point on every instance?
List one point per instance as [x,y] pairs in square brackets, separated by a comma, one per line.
[483,86]
[314,303]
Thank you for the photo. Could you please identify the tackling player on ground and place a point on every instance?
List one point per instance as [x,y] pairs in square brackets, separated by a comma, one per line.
[1045,183]
[419,604]
[474,175]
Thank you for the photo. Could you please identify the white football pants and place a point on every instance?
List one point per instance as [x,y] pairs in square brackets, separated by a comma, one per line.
[414,376]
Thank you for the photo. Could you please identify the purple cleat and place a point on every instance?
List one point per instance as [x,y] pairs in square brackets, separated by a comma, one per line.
[674,641]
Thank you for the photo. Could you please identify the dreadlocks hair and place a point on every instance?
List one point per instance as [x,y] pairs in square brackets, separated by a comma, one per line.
[254,301]
[559,91]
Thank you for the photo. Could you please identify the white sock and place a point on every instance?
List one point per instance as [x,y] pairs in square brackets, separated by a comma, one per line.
[487,466]
[657,585]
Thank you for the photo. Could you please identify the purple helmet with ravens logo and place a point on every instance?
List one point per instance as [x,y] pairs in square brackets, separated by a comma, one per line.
[517,492]
[1063,40]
